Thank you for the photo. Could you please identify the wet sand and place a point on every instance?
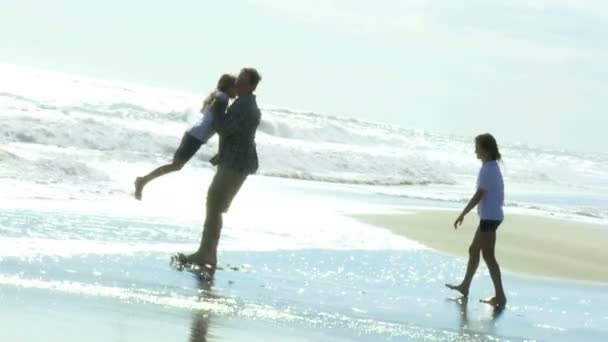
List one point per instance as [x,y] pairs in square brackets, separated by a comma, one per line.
[537,246]
[56,292]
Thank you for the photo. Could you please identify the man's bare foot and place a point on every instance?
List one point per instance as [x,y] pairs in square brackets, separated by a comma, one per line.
[495,302]
[139,187]
[464,291]
[200,260]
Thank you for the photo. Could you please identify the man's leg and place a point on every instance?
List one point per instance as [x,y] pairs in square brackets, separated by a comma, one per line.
[211,234]
[223,189]
[213,221]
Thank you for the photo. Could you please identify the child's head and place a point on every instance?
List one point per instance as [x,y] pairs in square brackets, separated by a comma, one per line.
[486,147]
[227,84]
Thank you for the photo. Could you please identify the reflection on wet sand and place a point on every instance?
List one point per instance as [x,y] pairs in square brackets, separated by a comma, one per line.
[478,326]
[201,319]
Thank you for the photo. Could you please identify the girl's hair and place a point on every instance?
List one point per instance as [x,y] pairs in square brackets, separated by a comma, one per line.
[223,84]
[488,143]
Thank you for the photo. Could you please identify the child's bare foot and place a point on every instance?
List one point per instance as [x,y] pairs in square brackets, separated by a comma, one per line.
[464,291]
[139,187]
[495,302]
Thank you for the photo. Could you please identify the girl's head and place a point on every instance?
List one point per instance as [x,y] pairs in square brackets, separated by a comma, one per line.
[486,148]
[227,84]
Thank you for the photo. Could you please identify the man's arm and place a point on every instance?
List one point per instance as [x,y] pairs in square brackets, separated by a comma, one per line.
[238,119]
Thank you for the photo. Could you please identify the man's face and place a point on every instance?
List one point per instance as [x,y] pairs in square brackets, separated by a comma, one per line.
[232,91]
[243,84]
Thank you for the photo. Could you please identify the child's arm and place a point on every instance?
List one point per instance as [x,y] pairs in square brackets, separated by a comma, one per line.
[219,105]
[472,204]
[239,119]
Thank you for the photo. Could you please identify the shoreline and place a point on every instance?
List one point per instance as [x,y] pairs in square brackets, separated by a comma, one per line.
[530,245]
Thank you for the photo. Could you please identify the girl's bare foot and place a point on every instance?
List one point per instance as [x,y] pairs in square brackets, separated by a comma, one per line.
[139,187]
[497,302]
[464,291]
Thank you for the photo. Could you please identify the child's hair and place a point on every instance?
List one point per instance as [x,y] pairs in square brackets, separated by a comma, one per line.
[488,143]
[223,84]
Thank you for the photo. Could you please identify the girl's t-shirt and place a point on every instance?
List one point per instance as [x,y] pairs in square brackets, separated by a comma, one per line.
[202,128]
[491,182]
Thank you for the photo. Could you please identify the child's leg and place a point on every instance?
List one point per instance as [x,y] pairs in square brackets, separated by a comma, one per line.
[474,251]
[186,150]
[140,182]
[488,243]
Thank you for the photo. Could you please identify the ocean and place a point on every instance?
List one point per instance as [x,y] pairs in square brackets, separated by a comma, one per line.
[76,247]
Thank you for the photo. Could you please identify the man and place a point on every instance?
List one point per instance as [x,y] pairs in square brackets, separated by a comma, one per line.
[236,159]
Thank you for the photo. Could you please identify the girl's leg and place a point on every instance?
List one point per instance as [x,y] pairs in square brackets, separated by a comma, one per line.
[140,182]
[188,147]
[488,243]
[474,251]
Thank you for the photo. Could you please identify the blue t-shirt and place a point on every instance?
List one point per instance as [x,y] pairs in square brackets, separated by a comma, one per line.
[492,201]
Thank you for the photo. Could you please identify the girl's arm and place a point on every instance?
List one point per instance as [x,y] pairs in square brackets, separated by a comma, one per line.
[218,106]
[472,204]
[241,119]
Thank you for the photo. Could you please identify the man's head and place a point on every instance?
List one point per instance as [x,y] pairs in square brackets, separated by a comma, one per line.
[247,81]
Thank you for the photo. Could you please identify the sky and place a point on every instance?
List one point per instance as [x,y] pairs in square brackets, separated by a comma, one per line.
[528,71]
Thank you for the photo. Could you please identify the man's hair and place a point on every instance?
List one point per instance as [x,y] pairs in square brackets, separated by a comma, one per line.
[254,76]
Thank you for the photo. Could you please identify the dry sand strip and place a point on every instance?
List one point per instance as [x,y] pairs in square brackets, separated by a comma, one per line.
[538,246]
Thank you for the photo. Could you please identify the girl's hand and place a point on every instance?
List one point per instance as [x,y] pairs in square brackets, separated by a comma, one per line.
[458,221]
